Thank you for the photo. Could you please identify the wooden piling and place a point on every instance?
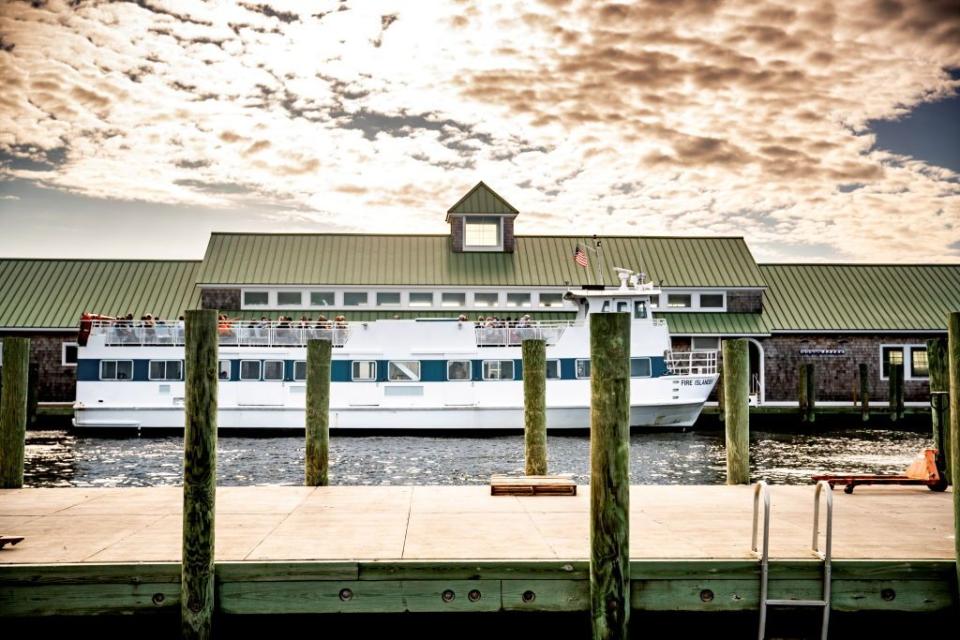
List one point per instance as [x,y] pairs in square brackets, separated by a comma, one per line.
[535,406]
[610,474]
[953,351]
[13,411]
[720,409]
[736,389]
[895,388]
[802,390]
[318,413]
[811,380]
[864,392]
[939,400]
[199,474]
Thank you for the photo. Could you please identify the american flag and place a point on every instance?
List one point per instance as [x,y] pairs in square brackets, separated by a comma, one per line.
[580,256]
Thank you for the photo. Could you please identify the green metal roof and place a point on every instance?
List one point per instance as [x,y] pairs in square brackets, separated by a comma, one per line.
[711,323]
[482,199]
[427,260]
[51,294]
[846,297]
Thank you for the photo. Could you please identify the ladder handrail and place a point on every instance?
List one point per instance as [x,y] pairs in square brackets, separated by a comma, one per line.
[827,554]
[760,488]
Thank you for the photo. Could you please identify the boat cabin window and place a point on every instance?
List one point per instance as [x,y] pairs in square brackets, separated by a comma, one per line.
[256,298]
[553,369]
[518,299]
[300,370]
[486,299]
[654,301]
[289,298]
[273,370]
[387,298]
[321,299]
[551,300]
[705,344]
[711,300]
[116,369]
[166,370]
[459,370]
[639,309]
[639,367]
[223,367]
[583,368]
[605,308]
[453,299]
[679,300]
[355,298]
[403,370]
[363,370]
[421,299]
[498,369]
[249,369]
[623,306]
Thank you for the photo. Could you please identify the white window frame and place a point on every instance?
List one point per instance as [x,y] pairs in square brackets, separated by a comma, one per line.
[166,378]
[576,368]
[483,247]
[353,377]
[907,359]
[259,371]
[688,294]
[245,305]
[723,300]
[649,367]
[496,300]
[304,376]
[528,305]
[446,305]
[421,305]
[63,354]
[559,375]
[263,370]
[694,347]
[408,370]
[115,378]
[220,363]
[312,305]
[540,304]
[297,305]
[398,303]
[355,306]
[485,369]
[469,371]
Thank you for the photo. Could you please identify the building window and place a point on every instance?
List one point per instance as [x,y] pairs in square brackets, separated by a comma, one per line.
[299,370]
[363,370]
[453,299]
[256,298]
[249,369]
[919,367]
[273,370]
[678,301]
[289,298]
[166,370]
[486,299]
[116,369]
[68,354]
[583,368]
[639,310]
[421,299]
[640,367]
[553,369]
[355,298]
[518,300]
[551,299]
[385,298]
[403,371]
[498,369]
[223,369]
[711,301]
[321,298]
[481,232]
[654,302]
[705,344]
[459,370]
[889,356]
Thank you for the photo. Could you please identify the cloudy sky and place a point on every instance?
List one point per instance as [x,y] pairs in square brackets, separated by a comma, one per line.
[820,130]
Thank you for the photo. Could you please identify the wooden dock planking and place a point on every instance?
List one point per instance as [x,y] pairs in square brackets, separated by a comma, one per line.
[296,549]
[532,486]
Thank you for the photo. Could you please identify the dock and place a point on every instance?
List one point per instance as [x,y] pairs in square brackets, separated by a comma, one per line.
[297,550]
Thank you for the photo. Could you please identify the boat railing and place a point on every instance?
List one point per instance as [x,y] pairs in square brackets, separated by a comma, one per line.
[235,333]
[691,363]
[511,335]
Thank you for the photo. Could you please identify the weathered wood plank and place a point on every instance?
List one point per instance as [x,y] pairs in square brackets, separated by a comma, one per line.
[13,411]
[87,599]
[486,570]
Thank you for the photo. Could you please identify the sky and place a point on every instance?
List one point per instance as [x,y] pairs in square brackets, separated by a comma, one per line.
[818,130]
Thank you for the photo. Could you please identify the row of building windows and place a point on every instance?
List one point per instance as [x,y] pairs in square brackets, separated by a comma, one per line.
[913,357]
[360,370]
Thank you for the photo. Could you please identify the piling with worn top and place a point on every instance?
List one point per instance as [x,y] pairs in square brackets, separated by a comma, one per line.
[610,474]
[939,400]
[318,413]
[802,390]
[199,474]
[953,351]
[895,382]
[720,409]
[535,406]
[13,411]
[811,414]
[864,392]
[736,402]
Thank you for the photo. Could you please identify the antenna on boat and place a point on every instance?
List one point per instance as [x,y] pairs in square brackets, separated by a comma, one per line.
[597,243]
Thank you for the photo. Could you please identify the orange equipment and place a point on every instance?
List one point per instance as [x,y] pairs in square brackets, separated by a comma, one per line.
[923,471]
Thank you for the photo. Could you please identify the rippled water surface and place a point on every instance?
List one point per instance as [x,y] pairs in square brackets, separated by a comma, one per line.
[62,458]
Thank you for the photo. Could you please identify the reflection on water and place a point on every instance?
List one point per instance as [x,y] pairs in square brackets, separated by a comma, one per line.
[61,458]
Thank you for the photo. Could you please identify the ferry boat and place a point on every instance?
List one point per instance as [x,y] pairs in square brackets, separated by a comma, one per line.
[391,374]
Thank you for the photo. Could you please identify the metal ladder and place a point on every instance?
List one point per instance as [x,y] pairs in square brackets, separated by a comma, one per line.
[760,489]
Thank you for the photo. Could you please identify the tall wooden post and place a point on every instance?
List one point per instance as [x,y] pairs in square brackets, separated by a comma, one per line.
[864,392]
[939,400]
[318,413]
[13,411]
[720,409]
[953,350]
[610,474]
[535,406]
[802,390]
[811,393]
[736,402]
[895,381]
[199,474]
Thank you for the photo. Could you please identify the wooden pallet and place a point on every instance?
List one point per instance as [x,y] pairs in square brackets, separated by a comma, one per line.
[532,486]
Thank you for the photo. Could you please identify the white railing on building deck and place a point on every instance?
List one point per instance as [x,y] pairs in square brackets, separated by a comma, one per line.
[236,333]
[514,334]
[691,363]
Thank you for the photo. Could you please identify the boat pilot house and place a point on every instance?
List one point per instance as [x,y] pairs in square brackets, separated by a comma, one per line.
[479,288]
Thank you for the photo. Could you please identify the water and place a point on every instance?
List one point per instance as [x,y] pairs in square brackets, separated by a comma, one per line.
[64,459]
